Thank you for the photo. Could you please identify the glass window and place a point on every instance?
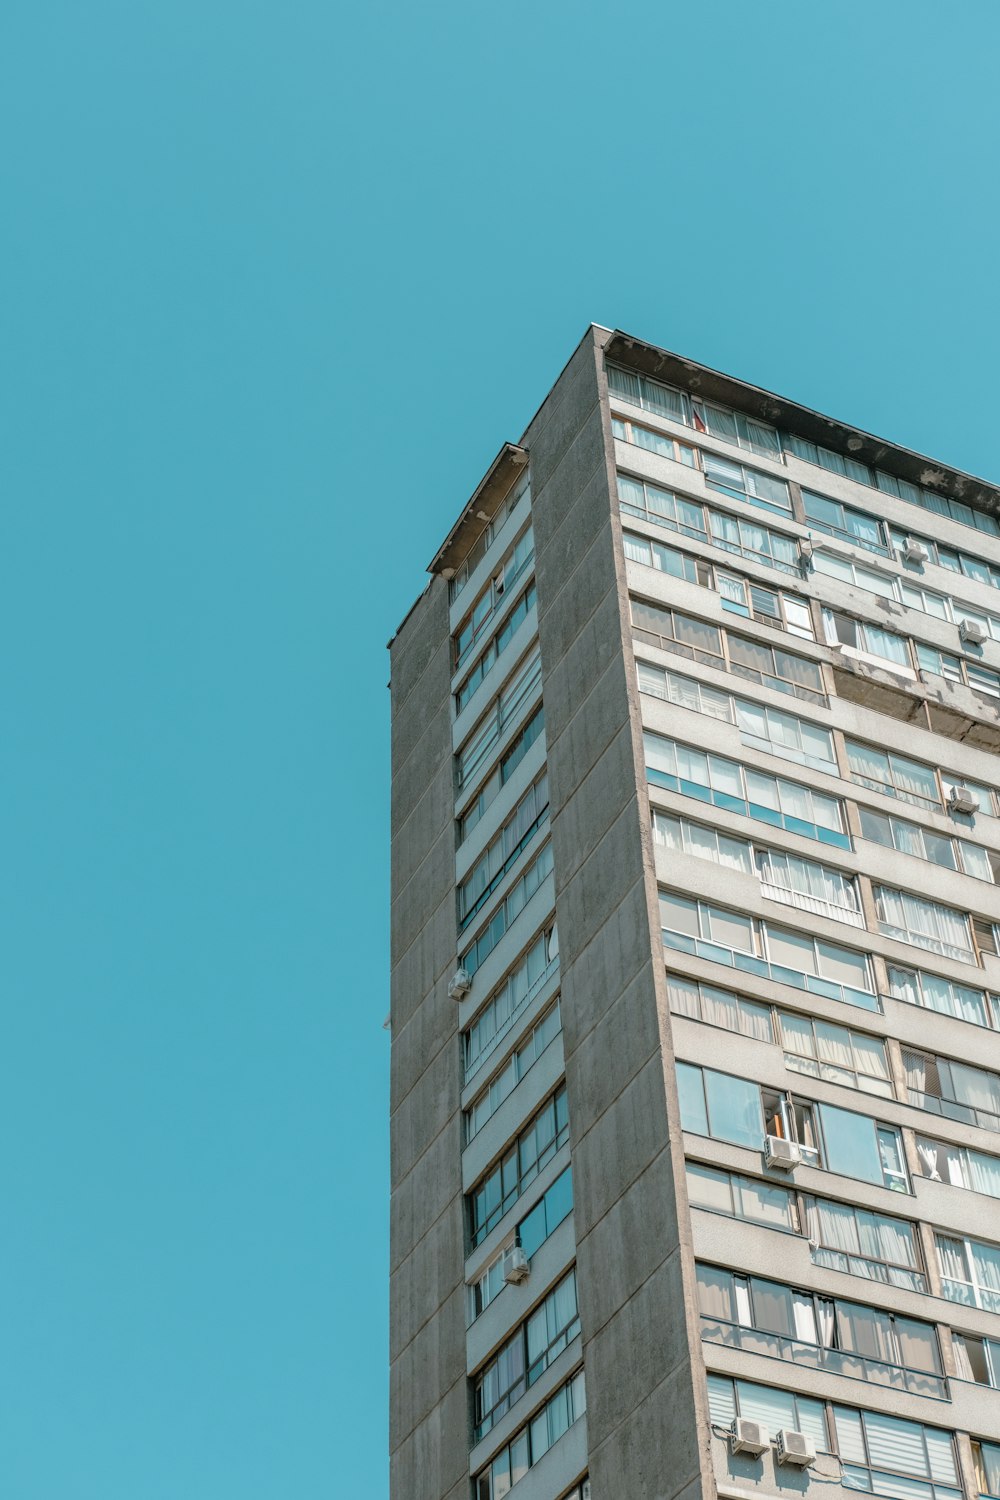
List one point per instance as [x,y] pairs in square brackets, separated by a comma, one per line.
[840,520]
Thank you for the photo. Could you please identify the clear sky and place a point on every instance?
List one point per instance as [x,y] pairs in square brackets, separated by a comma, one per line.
[279,276]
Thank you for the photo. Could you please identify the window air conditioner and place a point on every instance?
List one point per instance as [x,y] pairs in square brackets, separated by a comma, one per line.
[516,1266]
[749,1437]
[972,632]
[461,984]
[795,1448]
[914,551]
[961,800]
[781,1153]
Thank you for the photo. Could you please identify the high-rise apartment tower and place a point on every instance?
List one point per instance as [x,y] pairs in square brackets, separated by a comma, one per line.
[695,974]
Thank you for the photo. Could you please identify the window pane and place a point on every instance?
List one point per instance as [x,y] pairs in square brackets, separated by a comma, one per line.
[691,1098]
[734,1109]
[851,1145]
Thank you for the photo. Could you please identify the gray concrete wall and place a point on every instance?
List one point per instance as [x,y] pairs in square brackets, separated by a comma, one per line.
[429,1412]
[646,1419]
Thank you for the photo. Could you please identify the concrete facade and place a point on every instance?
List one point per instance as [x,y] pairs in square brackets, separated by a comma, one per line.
[678,872]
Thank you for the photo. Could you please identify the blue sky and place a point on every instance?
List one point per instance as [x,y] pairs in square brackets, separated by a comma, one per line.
[278,279]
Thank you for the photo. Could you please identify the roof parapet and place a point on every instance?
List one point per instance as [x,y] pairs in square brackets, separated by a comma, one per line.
[486,500]
[878,453]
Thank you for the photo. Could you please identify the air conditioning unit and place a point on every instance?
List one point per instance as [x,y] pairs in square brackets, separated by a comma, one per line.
[972,632]
[795,1448]
[461,984]
[749,1437]
[914,551]
[781,1153]
[961,800]
[516,1266]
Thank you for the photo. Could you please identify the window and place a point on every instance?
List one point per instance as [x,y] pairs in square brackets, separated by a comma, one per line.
[890,484]
[742,596]
[746,484]
[989,624]
[533,1230]
[698,640]
[773,667]
[846,570]
[925,924]
[730,1109]
[667,559]
[821,1049]
[943,995]
[526,1355]
[533,1441]
[654,442]
[499,716]
[970,1271]
[810,886]
[478,621]
[736,788]
[653,503]
[651,395]
[496,648]
[857,1241]
[739,595]
[739,941]
[720,1106]
[530,813]
[959,1166]
[784,877]
[841,521]
[843,1141]
[925,844]
[687,692]
[734,427]
[779,733]
[938,505]
[881,1454]
[509,763]
[977,1359]
[755,542]
[547,1214]
[863,1243]
[890,1456]
[957,669]
[488,536]
[761,727]
[522,983]
[976,568]
[671,630]
[956,1090]
[825,1333]
[704,523]
[893,775]
[517,1065]
[917,597]
[705,843]
[728,1399]
[542,1137]
[836,463]
[863,638]
[508,911]
[718,1007]
[742,1197]
[986,1457]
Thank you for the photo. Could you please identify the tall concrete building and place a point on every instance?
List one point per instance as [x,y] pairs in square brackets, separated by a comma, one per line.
[695,986]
